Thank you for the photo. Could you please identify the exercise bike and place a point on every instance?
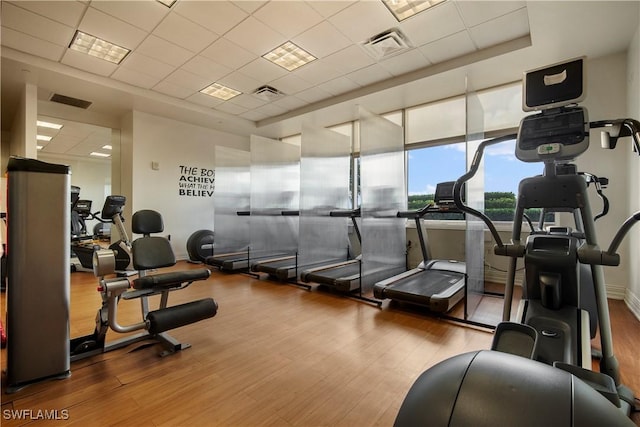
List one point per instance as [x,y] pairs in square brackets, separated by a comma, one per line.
[111,214]
[538,372]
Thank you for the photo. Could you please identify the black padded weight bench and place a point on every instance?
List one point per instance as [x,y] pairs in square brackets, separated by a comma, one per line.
[149,253]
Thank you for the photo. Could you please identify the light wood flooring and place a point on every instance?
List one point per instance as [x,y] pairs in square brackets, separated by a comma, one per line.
[274,355]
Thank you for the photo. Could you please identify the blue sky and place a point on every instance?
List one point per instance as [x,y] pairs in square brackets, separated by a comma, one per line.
[429,166]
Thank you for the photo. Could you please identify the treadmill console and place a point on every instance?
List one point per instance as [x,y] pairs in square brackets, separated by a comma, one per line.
[561,131]
[83,207]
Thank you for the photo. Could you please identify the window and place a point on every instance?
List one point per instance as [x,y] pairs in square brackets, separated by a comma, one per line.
[427,166]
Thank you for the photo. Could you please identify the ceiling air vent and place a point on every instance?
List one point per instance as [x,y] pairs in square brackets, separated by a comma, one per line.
[386,44]
[74,102]
[268,93]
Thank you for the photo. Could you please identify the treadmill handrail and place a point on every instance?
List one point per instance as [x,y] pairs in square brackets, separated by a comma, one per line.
[416,213]
[346,213]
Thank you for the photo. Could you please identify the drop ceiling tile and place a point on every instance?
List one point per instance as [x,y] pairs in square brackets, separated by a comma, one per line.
[329,8]
[35,25]
[363,20]
[350,59]
[217,16]
[290,84]
[147,65]
[228,54]
[207,68]
[184,33]
[173,90]
[448,47]
[263,70]
[204,100]
[142,14]
[289,103]
[405,62]
[65,12]
[29,44]
[229,107]
[271,110]
[254,115]
[188,80]
[317,72]
[107,27]
[288,17]
[322,40]
[433,24]
[240,82]
[477,12]
[338,86]
[255,36]
[164,51]
[313,94]
[88,63]
[368,75]
[249,6]
[135,78]
[499,30]
[248,101]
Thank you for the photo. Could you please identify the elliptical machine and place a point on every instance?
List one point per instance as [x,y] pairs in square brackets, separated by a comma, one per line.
[538,373]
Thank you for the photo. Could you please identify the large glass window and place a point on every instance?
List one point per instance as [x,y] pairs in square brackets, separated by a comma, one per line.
[428,166]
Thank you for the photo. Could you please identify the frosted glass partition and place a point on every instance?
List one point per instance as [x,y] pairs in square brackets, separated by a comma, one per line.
[324,186]
[232,195]
[382,184]
[475,199]
[275,187]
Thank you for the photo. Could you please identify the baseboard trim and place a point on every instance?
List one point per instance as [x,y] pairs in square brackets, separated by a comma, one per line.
[616,291]
[633,302]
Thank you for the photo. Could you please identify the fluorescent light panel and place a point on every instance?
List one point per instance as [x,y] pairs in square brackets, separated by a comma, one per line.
[403,9]
[43,138]
[220,91]
[49,125]
[91,45]
[107,147]
[289,56]
[97,154]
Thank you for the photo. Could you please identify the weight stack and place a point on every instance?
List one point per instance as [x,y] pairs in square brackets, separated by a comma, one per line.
[38,258]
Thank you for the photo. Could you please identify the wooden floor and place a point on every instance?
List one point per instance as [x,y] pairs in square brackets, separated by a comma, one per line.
[274,355]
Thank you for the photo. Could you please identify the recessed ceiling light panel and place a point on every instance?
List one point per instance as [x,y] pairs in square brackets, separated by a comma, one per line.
[98,154]
[289,56]
[220,91]
[43,138]
[49,125]
[91,45]
[403,9]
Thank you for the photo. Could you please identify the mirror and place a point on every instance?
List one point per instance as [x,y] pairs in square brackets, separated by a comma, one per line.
[90,150]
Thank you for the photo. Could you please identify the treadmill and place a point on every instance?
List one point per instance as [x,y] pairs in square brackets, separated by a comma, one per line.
[238,261]
[343,276]
[436,284]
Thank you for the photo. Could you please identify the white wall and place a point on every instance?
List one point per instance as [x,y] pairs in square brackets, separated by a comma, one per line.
[172,144]
[632,297]
[607,99]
